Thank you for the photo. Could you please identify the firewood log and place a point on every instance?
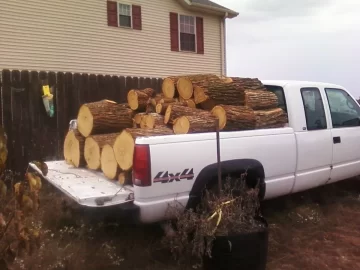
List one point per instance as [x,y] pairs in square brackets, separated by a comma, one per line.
[181,84]
[194,124]
[93,147]
[247,83]
[258,99]
[77,150]
[175,111]
[219,93]
[271,118]
[104,117]
[234,118]
[152,120]
[138,118]
[109,166]
[161,108]
[161,99]
[139,100]
[125,144]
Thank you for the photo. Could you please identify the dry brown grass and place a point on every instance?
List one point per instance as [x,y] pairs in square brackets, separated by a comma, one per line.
[318,229]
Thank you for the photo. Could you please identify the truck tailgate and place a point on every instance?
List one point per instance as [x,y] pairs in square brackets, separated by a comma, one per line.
[86,187]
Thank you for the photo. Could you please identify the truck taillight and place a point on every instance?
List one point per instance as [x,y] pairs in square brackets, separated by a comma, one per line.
[142,166]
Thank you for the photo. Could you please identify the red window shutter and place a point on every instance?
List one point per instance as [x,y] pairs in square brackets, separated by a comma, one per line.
[200,35]
[112,13]
[136,17]
[174,31]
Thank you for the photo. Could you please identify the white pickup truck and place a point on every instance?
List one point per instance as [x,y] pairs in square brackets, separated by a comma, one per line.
[319,145]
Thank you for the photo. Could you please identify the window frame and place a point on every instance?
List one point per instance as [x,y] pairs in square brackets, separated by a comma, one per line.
[118,14]
[329,106]
[195,33]
[303,89]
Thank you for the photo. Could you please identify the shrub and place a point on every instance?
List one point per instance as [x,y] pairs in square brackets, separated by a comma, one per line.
[232,212]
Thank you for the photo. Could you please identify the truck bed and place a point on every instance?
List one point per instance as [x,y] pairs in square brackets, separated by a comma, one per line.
[86,187]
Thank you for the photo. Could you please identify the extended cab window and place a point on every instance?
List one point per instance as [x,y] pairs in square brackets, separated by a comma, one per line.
[314,109]
[345,112]
[279,92]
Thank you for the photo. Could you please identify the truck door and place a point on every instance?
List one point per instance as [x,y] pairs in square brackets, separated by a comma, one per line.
[314,141]
[345,131]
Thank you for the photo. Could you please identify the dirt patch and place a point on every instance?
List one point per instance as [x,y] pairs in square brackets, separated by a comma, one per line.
[317,229]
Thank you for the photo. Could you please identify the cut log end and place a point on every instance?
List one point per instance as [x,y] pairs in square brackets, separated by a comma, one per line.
[220,113]
[85,121]
[133,101]
[167,114]
[185,88]
[124,150]
[109,166]
[69,139]
[92,154]
[181,125]
[77,157]
[168,88]
[199,95]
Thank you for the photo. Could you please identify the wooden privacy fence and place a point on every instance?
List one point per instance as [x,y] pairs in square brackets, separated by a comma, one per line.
[32,134]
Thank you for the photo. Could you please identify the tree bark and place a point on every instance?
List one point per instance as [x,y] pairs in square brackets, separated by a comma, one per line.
[125,144]
[109,166]
[194,124]
[247,83]
[77,150]
[271,118]
[175,111]
[259,100]
[234,118]
[93,147]
[219,93]
[103,117]
[139,100]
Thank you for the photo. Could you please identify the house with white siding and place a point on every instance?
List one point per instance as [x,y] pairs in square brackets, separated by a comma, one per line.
[148,38]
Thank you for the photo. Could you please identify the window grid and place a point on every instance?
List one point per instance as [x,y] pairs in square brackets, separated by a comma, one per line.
[187,33]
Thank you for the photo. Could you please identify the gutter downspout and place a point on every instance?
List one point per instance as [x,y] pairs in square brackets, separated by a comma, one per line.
[223,45]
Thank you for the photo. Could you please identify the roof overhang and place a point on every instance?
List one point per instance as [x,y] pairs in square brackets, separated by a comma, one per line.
[196,7]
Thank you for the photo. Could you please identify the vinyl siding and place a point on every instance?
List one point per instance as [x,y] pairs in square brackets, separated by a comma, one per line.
[73,36]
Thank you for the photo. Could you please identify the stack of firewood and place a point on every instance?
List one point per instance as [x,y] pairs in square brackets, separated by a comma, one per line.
[106,131]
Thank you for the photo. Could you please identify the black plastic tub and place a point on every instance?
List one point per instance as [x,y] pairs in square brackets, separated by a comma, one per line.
[241,252]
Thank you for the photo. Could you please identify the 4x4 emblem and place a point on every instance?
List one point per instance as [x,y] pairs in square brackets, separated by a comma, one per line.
[166,177]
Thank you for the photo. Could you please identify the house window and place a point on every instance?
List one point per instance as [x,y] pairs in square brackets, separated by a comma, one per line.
[124,15]
[187,33]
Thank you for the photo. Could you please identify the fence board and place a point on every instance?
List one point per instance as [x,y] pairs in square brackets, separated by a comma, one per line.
[93,88]
[26,140]
[84,89]
[61,113]
[123,91]
[17,128]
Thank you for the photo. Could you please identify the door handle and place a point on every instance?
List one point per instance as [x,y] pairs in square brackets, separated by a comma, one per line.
[337,140]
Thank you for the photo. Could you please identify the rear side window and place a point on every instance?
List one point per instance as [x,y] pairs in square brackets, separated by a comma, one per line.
[314,109]
[279,92]
[345,112]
